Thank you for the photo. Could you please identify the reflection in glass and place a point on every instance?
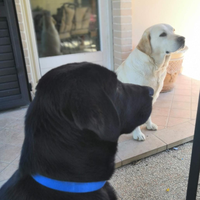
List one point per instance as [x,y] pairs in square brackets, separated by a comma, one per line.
[66,27]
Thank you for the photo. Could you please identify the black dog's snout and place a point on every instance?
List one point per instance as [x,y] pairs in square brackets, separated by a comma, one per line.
[151,91]
[181,39]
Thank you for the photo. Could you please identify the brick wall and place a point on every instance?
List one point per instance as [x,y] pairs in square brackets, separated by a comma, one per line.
[23,38]
[122,30]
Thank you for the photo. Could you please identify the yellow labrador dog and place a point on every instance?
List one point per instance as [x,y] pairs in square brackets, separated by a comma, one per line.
[147,63]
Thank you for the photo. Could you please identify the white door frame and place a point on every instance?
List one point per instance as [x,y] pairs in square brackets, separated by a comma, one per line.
[107,8]
[104,5]
[31,42]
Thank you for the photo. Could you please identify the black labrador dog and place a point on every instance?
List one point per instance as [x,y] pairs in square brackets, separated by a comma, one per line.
[71,132]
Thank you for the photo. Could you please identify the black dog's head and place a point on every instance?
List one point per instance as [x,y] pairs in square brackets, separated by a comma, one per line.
[91,97]
[73,124]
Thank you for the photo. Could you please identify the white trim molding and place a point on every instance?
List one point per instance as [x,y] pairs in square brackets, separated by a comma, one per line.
[31,44]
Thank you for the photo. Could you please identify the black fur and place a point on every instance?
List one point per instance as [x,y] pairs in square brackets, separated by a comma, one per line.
[71,131]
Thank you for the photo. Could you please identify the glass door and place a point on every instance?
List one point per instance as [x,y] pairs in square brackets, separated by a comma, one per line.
[72,31]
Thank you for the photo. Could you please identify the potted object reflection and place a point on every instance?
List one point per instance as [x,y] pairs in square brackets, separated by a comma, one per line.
[173,69]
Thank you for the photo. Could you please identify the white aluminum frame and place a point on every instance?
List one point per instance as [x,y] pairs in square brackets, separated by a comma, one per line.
[103,57]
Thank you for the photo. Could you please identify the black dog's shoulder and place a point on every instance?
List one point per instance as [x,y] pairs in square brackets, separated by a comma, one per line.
[25,188]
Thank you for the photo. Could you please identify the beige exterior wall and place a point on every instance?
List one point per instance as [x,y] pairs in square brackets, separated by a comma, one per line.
[24,39]
[122,30]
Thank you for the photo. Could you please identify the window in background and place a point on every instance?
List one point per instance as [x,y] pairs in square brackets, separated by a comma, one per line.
[66,28]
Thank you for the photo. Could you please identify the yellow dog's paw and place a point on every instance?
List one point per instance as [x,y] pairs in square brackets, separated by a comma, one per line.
[152,127]
[139,136]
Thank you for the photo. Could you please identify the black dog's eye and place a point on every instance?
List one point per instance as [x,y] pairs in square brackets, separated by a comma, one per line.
[163,34]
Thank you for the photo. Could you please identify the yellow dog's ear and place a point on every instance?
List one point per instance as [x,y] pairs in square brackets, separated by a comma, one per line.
[144,44]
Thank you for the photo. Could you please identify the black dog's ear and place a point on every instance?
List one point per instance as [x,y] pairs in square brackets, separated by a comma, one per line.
[97,113]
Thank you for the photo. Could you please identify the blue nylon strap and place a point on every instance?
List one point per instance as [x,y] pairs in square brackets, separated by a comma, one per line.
[65,186]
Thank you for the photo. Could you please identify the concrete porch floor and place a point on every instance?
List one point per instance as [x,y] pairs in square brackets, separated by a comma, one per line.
[174,113]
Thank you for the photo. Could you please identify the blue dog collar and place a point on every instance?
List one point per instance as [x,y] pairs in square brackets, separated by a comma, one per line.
[65,186]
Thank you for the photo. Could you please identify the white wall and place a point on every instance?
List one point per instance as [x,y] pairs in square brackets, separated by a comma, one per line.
[183,15]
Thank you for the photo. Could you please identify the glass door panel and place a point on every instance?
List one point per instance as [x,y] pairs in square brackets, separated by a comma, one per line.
[69,31]
[65,28]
